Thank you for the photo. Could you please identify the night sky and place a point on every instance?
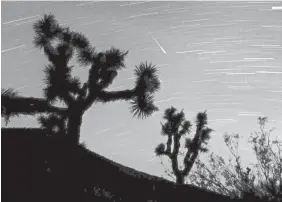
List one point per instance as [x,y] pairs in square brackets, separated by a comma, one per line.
[223,57]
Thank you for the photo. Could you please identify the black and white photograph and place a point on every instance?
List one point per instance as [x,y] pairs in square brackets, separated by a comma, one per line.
[141,101]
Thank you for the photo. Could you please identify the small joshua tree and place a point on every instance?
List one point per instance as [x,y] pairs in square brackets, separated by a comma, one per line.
[59,45]
[175,128]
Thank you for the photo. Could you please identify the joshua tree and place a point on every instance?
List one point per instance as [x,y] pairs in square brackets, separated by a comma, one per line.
[175,127]
[59,45]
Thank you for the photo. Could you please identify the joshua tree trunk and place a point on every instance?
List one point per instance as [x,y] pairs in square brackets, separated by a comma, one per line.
[190,162]
[180,179]
[74,124]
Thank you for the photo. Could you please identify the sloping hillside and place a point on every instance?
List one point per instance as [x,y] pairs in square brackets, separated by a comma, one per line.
[40,168]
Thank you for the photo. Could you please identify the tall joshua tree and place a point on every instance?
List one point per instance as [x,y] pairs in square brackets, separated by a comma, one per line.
[175,128]
[60,45]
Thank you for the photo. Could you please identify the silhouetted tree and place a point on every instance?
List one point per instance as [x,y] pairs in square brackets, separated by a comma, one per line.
[59,45]
[262,179]
[174,128]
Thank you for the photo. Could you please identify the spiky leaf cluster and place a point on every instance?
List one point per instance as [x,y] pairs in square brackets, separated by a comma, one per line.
[143,106]
[160,149]
[175,123]
[201,120]
[146,84]
[114,59]
[86,56]
[147,79]
[45,29]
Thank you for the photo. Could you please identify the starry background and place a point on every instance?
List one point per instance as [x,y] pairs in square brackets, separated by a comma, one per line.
[221,56]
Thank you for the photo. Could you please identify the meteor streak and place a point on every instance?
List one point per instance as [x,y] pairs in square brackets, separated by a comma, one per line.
[163,50]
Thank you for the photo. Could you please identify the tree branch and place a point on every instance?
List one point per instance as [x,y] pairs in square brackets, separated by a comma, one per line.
[50,52]
[189,164]
[106,96]
[168,146]
[29,105]
[174,155]
[192,150]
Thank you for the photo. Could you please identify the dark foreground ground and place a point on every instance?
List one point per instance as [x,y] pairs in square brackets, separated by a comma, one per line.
[36,167]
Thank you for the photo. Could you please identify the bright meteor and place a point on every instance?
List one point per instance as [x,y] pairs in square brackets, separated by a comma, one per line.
[163,50]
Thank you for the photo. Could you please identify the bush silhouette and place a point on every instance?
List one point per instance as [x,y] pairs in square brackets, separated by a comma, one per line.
[258,181]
